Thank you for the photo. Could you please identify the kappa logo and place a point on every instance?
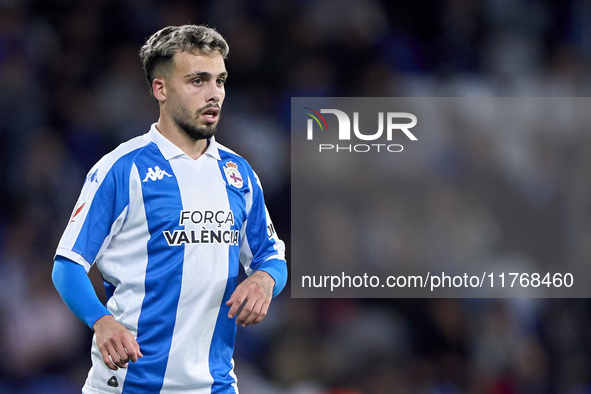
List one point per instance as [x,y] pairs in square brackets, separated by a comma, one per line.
[113,382]
[93,177]
[155,174]
[233,175]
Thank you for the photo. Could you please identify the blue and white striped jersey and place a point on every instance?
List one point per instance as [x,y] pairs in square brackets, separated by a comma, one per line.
[168,233]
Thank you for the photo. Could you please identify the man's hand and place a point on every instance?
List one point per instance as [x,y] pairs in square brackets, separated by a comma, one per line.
[254,295]
[114,340]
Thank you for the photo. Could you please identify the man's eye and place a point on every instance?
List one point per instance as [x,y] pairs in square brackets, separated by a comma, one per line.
[221,81]
[198,81]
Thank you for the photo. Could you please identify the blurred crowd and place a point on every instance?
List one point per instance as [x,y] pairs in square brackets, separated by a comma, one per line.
[73,89]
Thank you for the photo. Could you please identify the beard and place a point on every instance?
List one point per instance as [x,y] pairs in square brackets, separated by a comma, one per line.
[197,132]
[189,123]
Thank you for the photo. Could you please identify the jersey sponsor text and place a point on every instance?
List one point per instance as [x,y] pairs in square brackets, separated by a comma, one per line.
[181,237]
[206,217]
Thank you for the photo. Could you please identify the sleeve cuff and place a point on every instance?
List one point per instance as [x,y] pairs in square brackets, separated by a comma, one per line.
[73,256]
[278,271]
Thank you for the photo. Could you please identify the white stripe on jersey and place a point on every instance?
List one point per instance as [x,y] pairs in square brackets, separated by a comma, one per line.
[198,308]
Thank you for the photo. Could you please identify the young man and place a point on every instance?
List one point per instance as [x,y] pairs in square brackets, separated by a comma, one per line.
[167,217]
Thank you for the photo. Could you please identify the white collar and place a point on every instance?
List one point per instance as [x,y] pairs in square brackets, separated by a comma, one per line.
[170,150]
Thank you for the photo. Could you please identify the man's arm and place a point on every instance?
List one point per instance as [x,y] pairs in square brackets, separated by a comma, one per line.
[254,295]
[263,257]
[117,345]
[75,288]
[278,271]
[258,290]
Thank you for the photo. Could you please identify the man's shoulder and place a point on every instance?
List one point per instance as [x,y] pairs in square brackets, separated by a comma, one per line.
[129,146]
[122,155]
[228,154]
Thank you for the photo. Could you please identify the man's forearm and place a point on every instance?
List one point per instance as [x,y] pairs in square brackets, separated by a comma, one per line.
[74,286]
[278,271]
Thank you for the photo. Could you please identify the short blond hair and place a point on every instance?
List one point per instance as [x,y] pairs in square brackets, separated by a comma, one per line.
[158,51]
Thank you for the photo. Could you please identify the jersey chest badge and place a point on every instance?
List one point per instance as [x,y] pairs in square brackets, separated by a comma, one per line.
[233,175]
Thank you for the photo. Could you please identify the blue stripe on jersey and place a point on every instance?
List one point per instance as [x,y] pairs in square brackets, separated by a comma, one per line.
[256,229]
[109,201]
[162,202]
[224,335]
[261,245]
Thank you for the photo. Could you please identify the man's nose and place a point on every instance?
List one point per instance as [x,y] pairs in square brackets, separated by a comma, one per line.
[214,94]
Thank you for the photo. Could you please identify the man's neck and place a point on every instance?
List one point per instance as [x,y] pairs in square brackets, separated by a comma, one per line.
[192,147]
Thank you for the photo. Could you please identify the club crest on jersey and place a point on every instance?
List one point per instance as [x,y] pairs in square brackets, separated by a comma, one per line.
[233,175]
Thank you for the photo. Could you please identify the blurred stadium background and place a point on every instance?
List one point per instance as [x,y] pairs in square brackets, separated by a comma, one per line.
[72,88]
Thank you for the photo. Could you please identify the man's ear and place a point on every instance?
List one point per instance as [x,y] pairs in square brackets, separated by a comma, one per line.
[159,89]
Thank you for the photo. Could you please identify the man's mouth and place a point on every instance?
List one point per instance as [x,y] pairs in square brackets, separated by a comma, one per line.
[211,114]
